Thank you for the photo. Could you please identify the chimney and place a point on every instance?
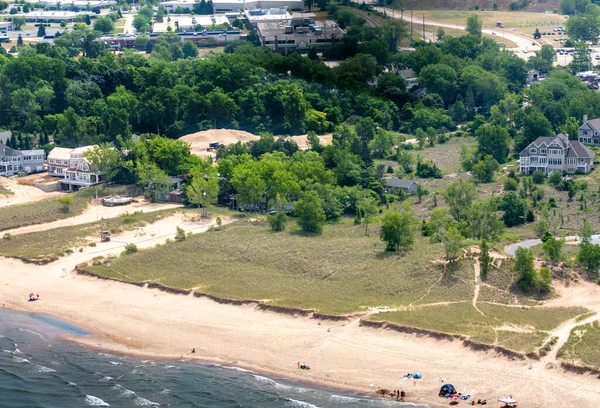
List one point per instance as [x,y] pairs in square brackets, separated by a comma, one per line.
[584,118]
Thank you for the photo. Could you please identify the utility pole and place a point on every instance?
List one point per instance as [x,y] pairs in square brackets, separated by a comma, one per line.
[424,27]
[411,38]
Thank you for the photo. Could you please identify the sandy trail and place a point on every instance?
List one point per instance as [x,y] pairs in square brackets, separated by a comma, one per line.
[95,212]
[22,194]
[134,320]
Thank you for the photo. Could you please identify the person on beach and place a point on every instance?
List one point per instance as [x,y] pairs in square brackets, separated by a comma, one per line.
[193,351]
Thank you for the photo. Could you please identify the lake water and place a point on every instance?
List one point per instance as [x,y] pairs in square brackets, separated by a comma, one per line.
[37,369]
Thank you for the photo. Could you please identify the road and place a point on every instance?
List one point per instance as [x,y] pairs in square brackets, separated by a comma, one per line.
[511,249]
[524,44]
[128,29]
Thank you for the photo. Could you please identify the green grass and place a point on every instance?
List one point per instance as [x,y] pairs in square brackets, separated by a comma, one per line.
[48,210]
[340,271]
[463,318]
[582,345]
[5,191]
[54,243]
[446,156]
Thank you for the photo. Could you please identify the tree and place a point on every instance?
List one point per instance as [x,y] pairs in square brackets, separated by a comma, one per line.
[141,22]
[367,208]
[442,78]
[203,191]
[474,25]
[309,210]
[545,280]
[104,159]
[41,30]
[141,41]
[555,178]
[440,34]
[88,20]
[514,210]
[453,241]
[527,275]
[421,137]
[484,260]
[189,49]
[277,221]
[180,235]
[553,249]
[65,203]
[104,25]
[393,30]
[459,196]
[18,22]
[309,4]
[493,140]
[19,41]
[397,229]
[585,233]
[484,170]
[589,257]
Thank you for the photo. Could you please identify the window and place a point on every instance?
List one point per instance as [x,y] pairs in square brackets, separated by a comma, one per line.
[543,160]
[543,151]
[532,150]
[555,161]
[585,132]
[555,151]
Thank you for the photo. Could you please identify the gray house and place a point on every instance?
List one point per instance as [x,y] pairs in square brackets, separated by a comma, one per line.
[550,154]
[14,161]
[409,186]
[589,132]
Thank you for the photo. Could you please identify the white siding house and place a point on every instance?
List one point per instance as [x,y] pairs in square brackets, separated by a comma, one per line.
[73,167]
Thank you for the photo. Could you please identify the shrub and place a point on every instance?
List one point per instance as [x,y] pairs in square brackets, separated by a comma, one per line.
[92,244]
[180,235]
[552,202]
[538,177]
[219,221]
[65,203]
[277,221]
[555,178]
[510,184]
[428,170]
[130,248]
[7,236]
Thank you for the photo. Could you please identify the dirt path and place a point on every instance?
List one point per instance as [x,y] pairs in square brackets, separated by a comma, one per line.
[93,213]
[22,194]
[477,268]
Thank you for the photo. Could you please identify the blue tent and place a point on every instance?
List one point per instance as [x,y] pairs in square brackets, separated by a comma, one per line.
[417,376]
[447,390]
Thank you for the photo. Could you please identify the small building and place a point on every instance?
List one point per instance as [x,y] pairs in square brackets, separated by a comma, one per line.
[170,190]
[73,167]
[14,161]
[6,26]
[266,15]
[412,80]
[533,76]
[408,186]
[556,154]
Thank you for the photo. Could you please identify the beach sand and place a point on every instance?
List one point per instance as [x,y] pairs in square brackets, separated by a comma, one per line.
[147,322]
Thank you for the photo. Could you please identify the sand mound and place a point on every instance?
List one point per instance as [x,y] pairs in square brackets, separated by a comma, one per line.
[199,141]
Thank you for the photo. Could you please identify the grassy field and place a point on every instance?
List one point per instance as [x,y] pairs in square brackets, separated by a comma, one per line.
[56,242]
[341,271]
[522,22]
[582,345]
[446,156]
[545,5]
[49,210]
[119,26]
[463,318]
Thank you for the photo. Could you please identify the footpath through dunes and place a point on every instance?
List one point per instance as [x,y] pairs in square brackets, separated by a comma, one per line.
[21,194]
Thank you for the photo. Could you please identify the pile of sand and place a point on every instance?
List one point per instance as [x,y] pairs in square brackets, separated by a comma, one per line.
[302,140]
[199,141]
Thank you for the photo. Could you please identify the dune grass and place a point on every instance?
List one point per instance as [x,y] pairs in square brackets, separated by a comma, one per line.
[582,345]
[463,318]
[5,192]
[48,210]
[340,271]
[54,243]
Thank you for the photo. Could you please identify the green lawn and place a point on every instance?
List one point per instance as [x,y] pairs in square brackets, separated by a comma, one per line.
[446,156]
[48,210]
[51,244]
[582,345]
[341,271]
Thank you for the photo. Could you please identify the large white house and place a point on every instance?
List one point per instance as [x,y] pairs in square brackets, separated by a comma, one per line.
[13,161]
[550,154]
[589,132]
[73,167]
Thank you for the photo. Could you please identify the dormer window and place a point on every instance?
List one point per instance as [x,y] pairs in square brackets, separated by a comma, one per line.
[532,150]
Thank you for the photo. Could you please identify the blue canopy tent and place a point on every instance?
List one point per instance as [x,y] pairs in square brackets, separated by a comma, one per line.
[447,390]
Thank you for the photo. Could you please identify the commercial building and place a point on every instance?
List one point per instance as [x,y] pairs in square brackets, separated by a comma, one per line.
[50,16]
[188,23]
[73,167]
[556,154]
[299,34]
[74,5]
[271,15]
[13,161]
[225,6]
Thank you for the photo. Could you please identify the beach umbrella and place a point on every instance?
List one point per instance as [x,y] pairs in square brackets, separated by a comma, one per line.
[507,400]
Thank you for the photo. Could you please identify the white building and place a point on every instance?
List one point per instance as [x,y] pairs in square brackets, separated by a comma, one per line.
[225,6]
[5,26]
[73,167]
[75,4]
[49,16]
[556,154]
[269,15]
[589,132]
[13,161]
[188,23]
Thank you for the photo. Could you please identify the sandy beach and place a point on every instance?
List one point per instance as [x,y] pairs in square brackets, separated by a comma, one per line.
[140,321]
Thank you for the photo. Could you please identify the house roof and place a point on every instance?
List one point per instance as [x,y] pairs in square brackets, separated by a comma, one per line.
[407,73]
[9,152]
[4,136]
[61,153]
[401,183]
[574,148]
[594,123]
